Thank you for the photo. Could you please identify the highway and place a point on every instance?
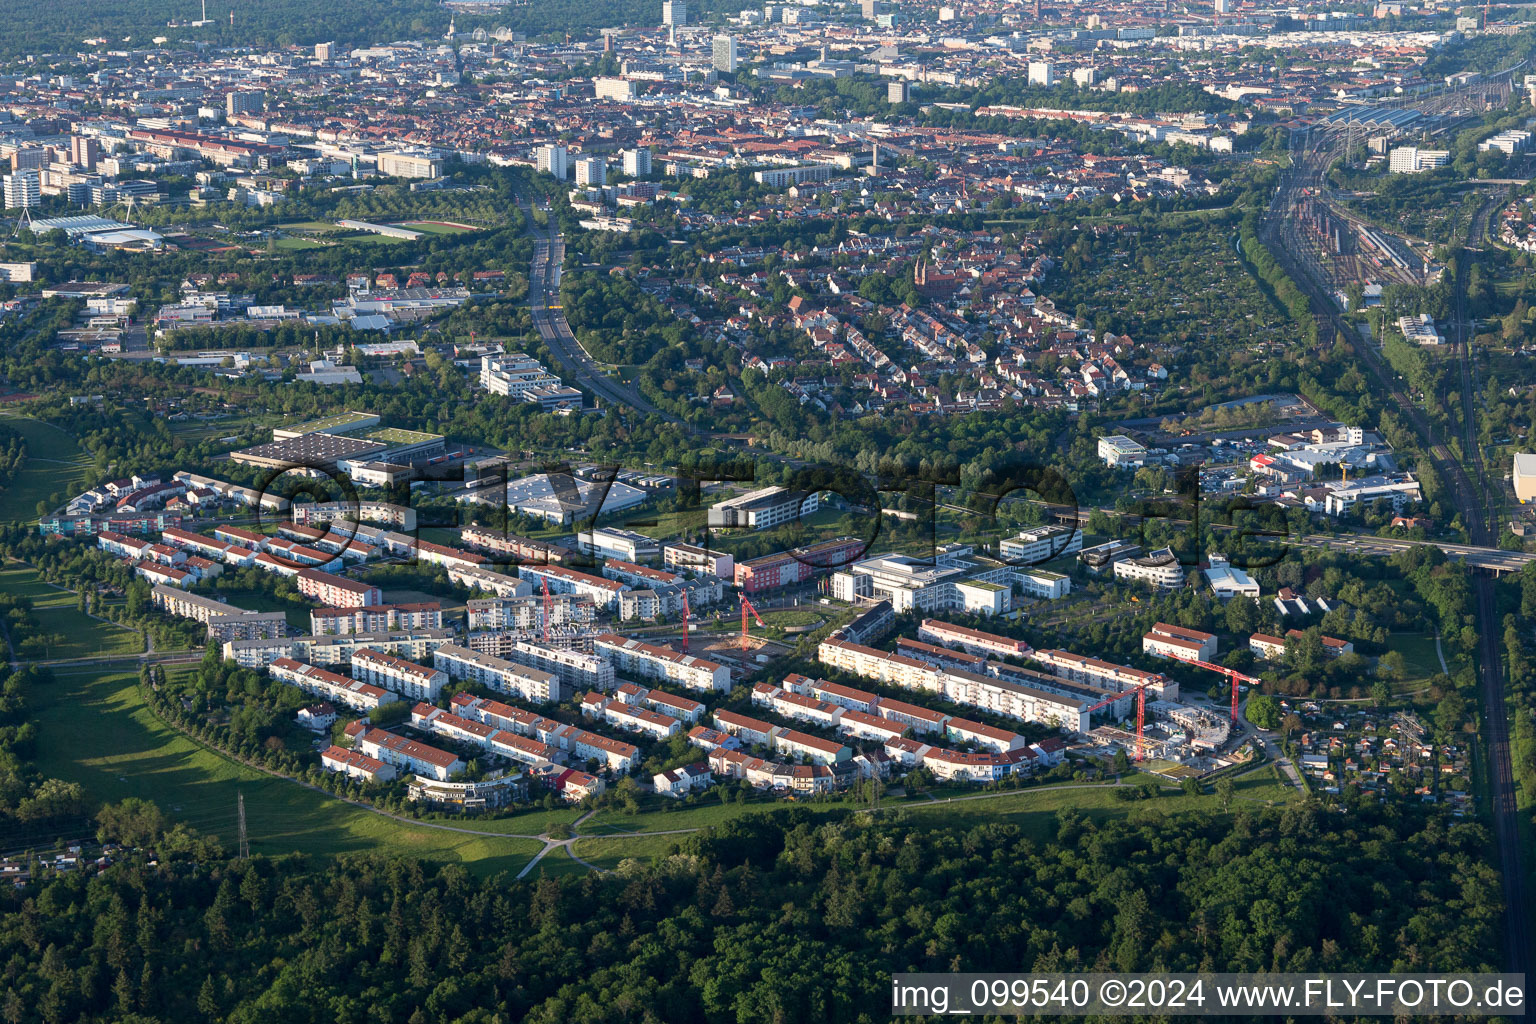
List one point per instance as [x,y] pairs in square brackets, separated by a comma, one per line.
[544,301]
[1470,500]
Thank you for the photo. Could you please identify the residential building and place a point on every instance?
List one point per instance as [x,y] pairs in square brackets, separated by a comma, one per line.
[409,755]
[723,53]
[404,677]
[553,160]
[530,684]
[648,661]
[356,764]
[1106,674]
[340,689]
[334,591]
[1169,641]
[224,621]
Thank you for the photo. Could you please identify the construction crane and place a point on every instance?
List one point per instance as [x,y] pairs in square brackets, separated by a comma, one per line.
[548,608]
[1141,714]
[746,606]
[1231,673]
[686,617]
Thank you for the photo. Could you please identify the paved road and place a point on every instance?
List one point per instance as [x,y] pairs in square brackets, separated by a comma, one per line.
[543,293]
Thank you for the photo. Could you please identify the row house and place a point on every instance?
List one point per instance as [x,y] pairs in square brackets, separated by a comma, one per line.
[685,709]
[630,717]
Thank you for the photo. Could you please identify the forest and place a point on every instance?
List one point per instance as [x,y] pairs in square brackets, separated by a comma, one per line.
[765,920]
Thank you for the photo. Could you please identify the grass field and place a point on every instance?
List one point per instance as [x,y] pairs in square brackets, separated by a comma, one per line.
[607,853]
[55,612]
[54,463]
[94,729]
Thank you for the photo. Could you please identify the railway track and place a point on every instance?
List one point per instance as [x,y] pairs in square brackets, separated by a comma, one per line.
[1469,497]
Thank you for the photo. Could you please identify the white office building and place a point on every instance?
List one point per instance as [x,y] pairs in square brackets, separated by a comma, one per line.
[674,13]
[724,53]
[514,374]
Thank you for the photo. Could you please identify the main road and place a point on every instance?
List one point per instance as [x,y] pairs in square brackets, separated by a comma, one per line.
[1470,500]
[549,319]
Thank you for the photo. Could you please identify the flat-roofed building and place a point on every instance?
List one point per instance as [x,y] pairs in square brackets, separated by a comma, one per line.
[1121,452]
[1159,570]
[1041,544]
[224,621]
[1523,476]
[679,557]
[763,509]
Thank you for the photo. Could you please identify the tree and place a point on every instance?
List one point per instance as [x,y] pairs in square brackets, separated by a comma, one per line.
[1224,791]
[1263,710]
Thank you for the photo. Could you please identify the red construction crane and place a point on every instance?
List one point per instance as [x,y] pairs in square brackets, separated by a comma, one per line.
[1231,673]
[548,608]
[685,620]
[1141,714]
[746,606]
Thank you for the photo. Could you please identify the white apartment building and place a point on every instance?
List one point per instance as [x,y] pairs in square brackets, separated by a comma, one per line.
[1165,640]
[592,170]
[404,677]
[23,190]
[637,162]
[648,661]
[869,663]
[1106,674]
[530,684]
[603,592]
[408,755]
[630,717]
[554,160]
[723,53]
[576,670]
[334,687]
